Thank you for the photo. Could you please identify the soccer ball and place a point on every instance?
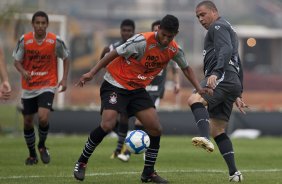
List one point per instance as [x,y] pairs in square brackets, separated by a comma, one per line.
[137,141]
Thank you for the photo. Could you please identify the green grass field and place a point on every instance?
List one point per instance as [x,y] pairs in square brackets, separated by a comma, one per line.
[9,119]
[259,160]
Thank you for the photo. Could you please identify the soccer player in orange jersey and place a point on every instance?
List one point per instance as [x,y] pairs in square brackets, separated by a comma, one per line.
[130,68]
[36,57]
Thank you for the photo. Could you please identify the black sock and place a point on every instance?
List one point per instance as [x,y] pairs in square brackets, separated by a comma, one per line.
[42,132]
[139,127]
[151,154]
[201,116]
[94,139]
[226,149]
[29,136]
[122,132]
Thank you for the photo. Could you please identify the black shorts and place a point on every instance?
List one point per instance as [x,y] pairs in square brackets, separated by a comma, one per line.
[31,105]
[155,99]
[124,101]
[221,103]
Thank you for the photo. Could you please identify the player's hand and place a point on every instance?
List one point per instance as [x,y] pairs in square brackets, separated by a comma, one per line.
[84,78]
[241,105]
[6,87]
[63,85]
[205,90]
[26,75]
[4,95]
[5,90]
[212,83]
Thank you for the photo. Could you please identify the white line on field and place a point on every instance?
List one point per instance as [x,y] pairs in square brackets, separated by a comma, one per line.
[133,173]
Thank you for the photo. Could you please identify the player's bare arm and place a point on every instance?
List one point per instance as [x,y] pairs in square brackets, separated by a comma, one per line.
[176,80]
[3,71]
[5,88]
[63,82]
[26,75]
[104,52]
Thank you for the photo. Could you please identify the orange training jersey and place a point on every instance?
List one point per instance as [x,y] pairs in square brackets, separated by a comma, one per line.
[40,61]
[133,74]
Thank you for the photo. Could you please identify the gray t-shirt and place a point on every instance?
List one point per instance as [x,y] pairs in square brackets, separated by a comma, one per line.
[61,52]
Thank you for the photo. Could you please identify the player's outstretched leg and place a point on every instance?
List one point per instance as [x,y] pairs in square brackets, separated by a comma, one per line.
[94,139]
[202,120]
[204,143]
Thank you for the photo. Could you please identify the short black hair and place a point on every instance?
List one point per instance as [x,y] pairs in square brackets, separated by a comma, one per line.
[156,23]
[40,14]
[208,4]
[170,23]
[128,22]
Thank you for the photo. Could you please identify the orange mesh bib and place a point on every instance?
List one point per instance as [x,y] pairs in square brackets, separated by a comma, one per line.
[40,61]
[133,74]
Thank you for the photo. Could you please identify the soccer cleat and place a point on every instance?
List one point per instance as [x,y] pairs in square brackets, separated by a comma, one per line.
[124,156]
[31,161]
[79,171]
[44,155]
[121,156]
[154,178]
[204,143]
[236,177]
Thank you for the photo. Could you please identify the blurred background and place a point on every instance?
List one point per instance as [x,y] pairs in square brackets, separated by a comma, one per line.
[87,26]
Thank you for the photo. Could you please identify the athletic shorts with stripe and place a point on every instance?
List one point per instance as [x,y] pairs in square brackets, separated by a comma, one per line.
[220,104]
[31,105]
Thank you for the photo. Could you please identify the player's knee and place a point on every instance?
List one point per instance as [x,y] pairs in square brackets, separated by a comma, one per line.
[217,131]
[155,131]
[28,122]
[191,100]
[194,98]
[107,126]
[28,125]
[43,119]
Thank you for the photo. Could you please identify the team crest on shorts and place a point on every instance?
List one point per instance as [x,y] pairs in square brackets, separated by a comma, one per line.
[113,98]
